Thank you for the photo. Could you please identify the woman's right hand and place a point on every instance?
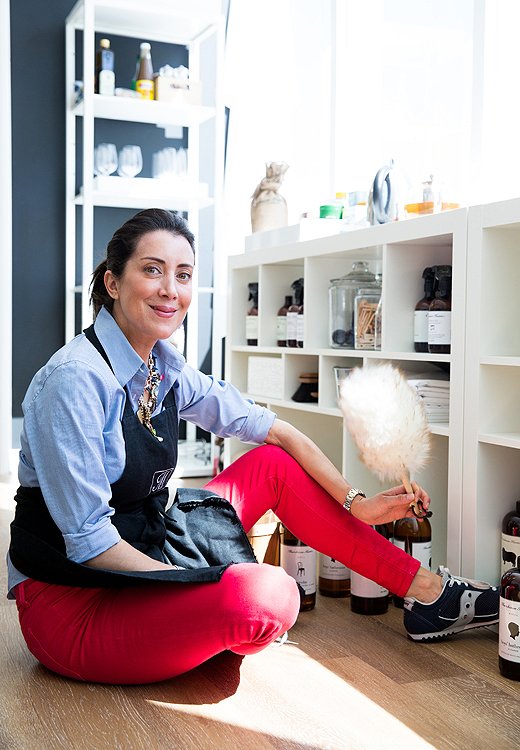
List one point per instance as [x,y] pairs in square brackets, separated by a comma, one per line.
[389,505]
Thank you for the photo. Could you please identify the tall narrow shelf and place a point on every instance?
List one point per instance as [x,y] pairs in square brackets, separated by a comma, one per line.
[197,26]
[402,250]
[492,383]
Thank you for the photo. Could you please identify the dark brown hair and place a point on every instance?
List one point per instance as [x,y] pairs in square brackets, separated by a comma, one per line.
[123,244]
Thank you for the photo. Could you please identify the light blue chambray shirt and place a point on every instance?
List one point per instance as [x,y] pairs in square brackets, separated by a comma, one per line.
[72,443]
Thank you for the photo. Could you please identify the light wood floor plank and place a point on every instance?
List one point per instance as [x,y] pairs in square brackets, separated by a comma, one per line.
[350,683]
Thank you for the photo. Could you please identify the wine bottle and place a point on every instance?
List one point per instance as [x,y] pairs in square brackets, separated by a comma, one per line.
[420,318]
[281,322]
[252,315]
[510,548]
[299,561]
[415,538]
[366,596]
[333,577]
[509,625]
[439,313]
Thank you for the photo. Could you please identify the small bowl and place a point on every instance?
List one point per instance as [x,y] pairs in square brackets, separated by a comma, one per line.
[340,373]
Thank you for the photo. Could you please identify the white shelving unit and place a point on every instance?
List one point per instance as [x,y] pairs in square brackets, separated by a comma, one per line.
[403,250]
[492,383]
[177,23]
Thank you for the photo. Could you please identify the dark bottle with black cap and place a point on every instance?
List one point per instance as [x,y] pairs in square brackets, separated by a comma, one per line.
[299,561]
[252,315]
[366,596]
[510,540]
[420,317]
[439,313]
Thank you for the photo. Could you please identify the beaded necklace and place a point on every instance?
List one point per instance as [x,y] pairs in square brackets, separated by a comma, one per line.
[148,400]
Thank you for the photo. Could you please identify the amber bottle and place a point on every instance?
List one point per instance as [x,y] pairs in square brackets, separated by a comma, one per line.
[281,322]
[420,318]
[439,313]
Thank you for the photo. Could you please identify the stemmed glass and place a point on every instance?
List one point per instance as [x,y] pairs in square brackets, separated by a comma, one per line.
[105,158]
[182,162]
[130,161]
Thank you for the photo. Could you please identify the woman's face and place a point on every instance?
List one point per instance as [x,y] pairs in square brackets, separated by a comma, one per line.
[152,296]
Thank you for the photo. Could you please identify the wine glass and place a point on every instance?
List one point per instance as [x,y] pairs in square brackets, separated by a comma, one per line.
[182,162]
[105,158]
[130,161]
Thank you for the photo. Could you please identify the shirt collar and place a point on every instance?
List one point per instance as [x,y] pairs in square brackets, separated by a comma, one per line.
[124,359]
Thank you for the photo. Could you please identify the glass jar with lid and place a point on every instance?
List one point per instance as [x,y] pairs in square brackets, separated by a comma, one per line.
[366,309]
[342,292]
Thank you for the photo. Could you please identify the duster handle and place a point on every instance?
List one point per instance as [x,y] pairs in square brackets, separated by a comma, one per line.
[405,479]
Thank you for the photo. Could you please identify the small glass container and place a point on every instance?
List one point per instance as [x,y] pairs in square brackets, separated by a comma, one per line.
[342,293]
[365,313]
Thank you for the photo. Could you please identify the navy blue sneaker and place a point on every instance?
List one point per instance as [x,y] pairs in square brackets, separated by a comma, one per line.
[462,604]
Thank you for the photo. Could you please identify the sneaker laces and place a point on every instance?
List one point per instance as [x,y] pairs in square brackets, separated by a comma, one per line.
[451,580]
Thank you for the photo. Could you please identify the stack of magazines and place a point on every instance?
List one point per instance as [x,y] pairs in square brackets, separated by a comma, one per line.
[434,391]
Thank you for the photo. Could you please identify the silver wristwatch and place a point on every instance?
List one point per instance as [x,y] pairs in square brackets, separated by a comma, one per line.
[351,494]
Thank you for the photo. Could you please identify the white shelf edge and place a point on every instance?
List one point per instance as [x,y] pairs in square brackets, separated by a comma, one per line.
[503,439]
[125,18]
[159,113]
[344,353]
[439,428]
[507,361]
[177,202]
[361,243]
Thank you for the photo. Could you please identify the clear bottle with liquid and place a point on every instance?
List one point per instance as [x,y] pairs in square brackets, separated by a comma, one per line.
[105,76]
[144,80]
[299,561]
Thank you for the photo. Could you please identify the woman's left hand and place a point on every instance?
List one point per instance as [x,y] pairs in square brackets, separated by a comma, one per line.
[389,505]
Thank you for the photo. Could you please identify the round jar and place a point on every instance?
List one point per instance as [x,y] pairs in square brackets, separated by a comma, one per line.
[342,292]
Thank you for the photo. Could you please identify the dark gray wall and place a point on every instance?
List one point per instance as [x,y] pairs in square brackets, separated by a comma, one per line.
[38,122]
[38,113]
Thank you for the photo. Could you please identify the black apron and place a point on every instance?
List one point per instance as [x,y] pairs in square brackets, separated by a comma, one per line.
[200,531]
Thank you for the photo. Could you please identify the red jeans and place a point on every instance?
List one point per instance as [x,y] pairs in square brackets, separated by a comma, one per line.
[151,633]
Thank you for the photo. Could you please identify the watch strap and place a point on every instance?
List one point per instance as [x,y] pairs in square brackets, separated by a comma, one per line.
[351,494]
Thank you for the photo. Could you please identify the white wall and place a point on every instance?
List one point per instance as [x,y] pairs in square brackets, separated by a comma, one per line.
[278,86]
[404,91]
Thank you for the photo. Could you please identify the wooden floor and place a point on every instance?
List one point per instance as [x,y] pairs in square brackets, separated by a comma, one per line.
[348,682]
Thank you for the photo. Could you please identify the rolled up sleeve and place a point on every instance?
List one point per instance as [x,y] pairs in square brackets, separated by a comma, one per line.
[220,408]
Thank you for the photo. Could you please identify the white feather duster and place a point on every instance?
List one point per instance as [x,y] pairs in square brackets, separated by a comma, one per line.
[386,419]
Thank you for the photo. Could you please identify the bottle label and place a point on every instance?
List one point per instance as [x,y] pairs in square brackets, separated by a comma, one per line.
[300,563]
[281,328]
[251,327]
[299,328]
[510,552]
[292,321]
[509,630]
[421,551]
[361,586]
[106,80]
[439,327]
[332,569]
[420,327]
[145,88]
